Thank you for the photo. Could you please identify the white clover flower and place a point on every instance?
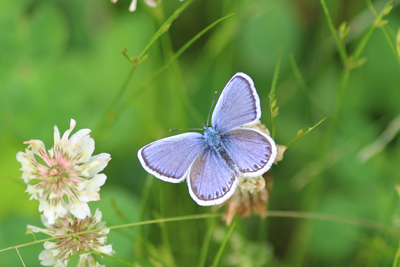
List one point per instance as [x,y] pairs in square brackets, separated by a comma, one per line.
[151,3]
[67,177]
[57,253]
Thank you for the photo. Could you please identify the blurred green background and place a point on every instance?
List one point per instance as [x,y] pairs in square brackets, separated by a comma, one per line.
[61,60]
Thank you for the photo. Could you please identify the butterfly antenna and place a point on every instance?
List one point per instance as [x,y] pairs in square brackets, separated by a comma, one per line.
[212,104]
[191,129]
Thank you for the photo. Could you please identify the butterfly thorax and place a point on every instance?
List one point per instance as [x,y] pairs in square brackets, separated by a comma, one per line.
[212,137]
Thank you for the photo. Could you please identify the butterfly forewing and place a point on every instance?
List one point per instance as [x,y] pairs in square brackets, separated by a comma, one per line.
[170,158]
[252,151]
[238,104]
[210,180]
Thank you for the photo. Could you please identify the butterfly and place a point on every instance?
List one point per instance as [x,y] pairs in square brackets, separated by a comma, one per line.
[212,162]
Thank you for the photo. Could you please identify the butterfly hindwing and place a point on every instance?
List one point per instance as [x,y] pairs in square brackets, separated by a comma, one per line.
[252,151]
[238,104]
[211,180]
[170,158]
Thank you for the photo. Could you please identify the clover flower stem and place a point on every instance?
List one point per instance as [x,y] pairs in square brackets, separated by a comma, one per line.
[23,263]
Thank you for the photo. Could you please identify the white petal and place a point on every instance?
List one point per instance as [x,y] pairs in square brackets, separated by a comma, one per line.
[34,228]
[96,164]
[104,231]
[76,138]
[39,149]
[132,7]
[64,139]
[34,192]
[56,135]
[49,245]
[85,150]
[104,249]
[45,221]
[61,264]
[113,1]
[55,252]
[47,258]
[97,215]
[80,210]
[101,240]
[60,210]
[151,3]
[44,206]
[28,163]
[94,184]
[87,196]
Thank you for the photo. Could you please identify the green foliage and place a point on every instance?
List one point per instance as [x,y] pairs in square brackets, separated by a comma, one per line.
[338,60]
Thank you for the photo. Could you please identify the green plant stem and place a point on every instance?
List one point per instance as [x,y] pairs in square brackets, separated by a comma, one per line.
[165,241]
[112,109]
[223,244]
[282,214]
[377,16]
[335,218]
[205,245]
[340,45]
[367,36]
[272,92]
[309,130]
[23,263]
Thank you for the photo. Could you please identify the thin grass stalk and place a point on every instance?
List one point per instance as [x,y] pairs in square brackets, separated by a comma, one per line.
[272,100]
[223,244]
[206,244]
[340,46]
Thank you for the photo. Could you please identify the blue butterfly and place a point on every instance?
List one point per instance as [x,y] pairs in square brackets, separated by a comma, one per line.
[213,161]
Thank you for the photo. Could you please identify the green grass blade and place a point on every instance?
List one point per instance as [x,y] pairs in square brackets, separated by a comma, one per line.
[224,242]
[340,45]
[205,245]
